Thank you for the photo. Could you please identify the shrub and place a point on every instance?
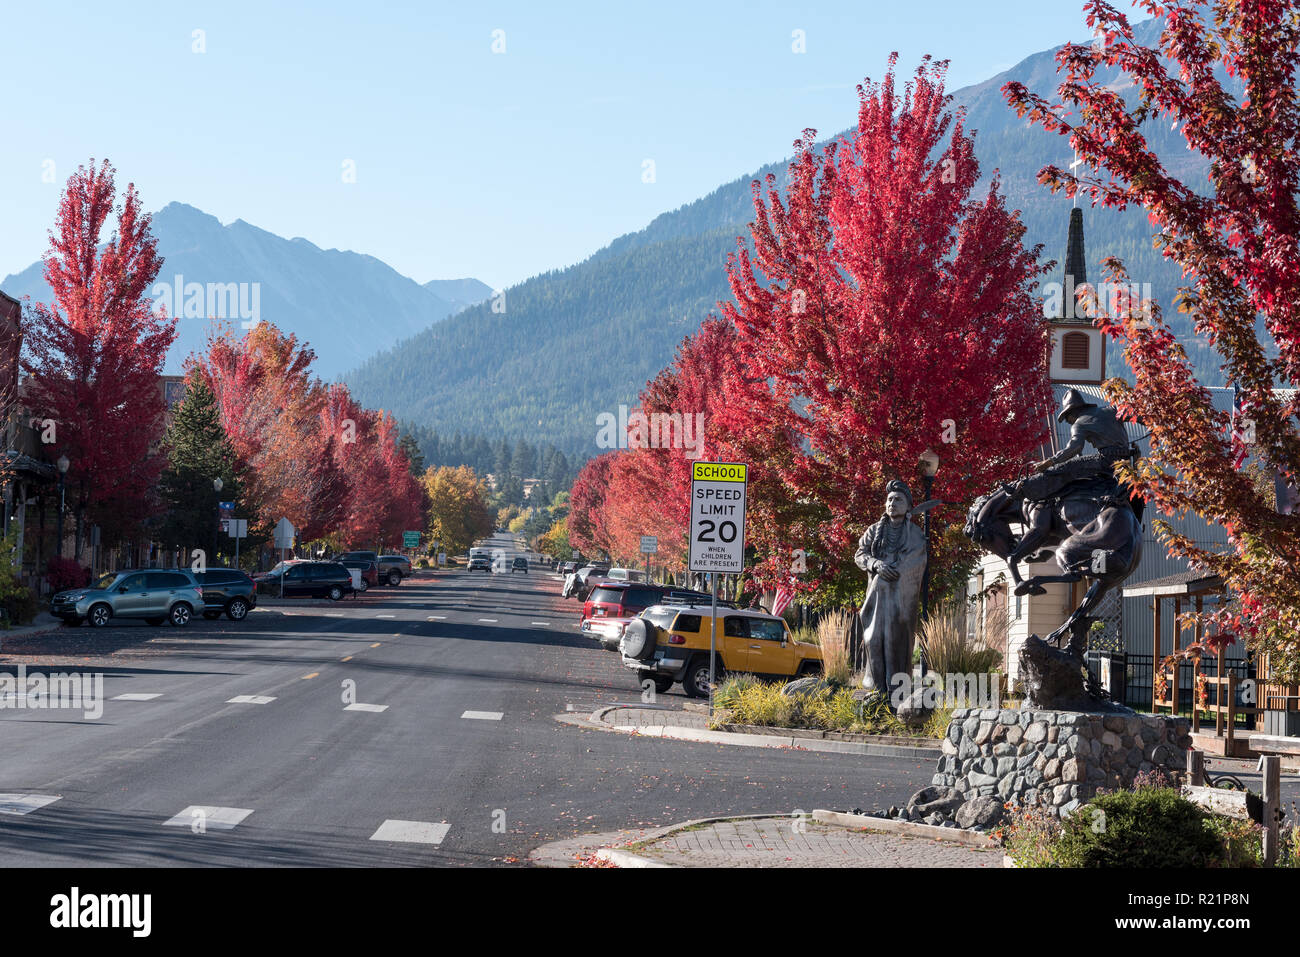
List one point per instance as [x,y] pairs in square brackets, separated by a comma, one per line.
[18,601]
[1153,827]
[835,635]
[948,648]
[1241,842]
[751,701]
[728,691]
[64,573]
[1029,836]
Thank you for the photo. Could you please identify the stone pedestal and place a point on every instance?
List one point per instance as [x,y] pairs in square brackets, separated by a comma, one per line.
[1057,759]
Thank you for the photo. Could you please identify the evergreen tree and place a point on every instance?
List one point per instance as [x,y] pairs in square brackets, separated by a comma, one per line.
[198,451]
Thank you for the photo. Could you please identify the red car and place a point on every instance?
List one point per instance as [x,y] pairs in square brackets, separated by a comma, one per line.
[369,571]
[620,600]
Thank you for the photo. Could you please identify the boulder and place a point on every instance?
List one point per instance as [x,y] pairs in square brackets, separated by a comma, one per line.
[980,813]
[810,686]
[912,710]
[936,800]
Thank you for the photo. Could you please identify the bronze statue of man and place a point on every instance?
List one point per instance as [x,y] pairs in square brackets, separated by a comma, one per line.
[893,553]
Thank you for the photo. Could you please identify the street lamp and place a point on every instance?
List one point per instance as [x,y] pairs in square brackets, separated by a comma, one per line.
[62,465]
[216,488]
[929,466]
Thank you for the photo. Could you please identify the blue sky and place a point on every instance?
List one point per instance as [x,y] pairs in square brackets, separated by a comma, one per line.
[468,162]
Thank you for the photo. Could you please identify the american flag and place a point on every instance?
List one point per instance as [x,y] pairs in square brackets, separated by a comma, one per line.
[1243,428]
[784,595]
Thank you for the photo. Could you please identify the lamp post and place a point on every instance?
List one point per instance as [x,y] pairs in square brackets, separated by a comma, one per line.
[929,466]
[216,488]
[62,465]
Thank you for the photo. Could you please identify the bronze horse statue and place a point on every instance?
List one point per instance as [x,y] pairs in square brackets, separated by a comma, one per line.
[1093,525]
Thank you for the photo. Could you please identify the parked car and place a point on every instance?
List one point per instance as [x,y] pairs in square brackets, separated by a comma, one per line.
[306,580]
[227,591]
[568,568]
[393,568]
[670,643]
[610,599]
[480,564]
[625,575]
[156,595]
[358,557]
[519,565]
[369,571]
[586,579]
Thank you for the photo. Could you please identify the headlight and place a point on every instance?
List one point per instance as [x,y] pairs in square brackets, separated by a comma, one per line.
[74,597]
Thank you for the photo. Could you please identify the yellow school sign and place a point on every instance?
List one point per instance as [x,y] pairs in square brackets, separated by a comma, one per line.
[717,542]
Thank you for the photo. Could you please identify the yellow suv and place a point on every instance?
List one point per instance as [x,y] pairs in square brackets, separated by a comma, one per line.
[670,643]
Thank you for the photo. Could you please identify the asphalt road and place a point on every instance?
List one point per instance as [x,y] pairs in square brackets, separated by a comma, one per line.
[329,785]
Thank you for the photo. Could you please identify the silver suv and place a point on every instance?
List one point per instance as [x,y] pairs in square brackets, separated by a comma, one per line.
[156,595]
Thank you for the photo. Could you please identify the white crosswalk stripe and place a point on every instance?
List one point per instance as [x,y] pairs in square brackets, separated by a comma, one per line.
[207,817]
[411,832]
[25,803]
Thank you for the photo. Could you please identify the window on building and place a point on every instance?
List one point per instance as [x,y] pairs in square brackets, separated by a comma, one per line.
[1075,350]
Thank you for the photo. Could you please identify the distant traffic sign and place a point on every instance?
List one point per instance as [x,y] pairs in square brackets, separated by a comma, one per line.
[649,544]
[717,542]
[410,539]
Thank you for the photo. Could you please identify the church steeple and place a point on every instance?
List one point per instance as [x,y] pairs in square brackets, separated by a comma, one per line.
[1076,264]
[1078,352]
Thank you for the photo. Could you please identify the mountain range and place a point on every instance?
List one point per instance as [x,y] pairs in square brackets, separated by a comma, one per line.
[345,304]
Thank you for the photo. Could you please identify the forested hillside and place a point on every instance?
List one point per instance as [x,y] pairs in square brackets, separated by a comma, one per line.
[573,343]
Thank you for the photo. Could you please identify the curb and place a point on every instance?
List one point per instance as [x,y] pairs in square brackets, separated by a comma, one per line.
[953,835]
[623,858]
[738,739]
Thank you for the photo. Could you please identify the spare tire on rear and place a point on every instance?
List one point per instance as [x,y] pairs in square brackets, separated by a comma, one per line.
[638,640]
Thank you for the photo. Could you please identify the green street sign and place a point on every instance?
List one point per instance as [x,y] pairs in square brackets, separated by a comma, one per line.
[410,539]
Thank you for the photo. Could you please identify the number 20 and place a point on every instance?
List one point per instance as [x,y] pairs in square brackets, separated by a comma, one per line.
[706,533]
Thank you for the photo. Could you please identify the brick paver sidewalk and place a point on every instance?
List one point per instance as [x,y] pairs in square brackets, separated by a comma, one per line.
[655,717]
[791,843]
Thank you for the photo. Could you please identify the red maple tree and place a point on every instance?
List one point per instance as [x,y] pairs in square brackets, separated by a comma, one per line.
[1236,245]
[94,354]
[884,310]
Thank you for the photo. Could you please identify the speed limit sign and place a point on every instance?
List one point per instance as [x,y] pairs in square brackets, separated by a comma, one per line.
[718,517]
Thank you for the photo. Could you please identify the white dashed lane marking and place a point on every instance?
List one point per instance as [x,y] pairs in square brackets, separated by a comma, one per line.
[213,818]
[250,699]
[539,623]
[437,617]
[136,696]
[484,715]
[385,616]
[25,803]
[492,621]
[411,832]
[366,707]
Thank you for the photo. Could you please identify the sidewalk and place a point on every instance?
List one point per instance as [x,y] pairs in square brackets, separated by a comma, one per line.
[761,842]
[42,623]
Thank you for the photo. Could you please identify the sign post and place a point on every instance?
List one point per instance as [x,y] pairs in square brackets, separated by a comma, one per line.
[717,542]
[649,546]
[236,528]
